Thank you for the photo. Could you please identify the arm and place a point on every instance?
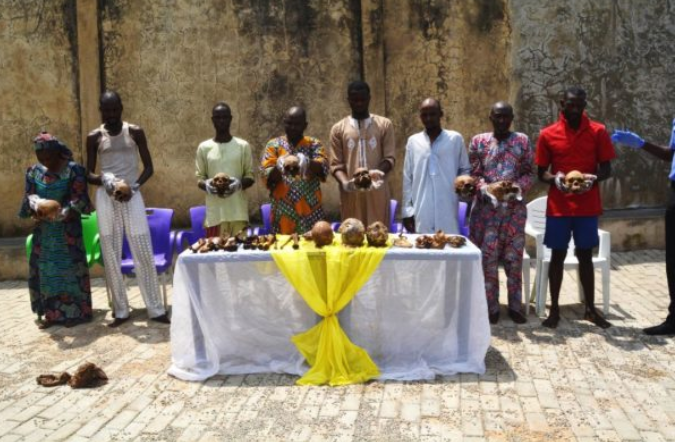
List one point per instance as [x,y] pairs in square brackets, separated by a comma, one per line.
[388,160]
[201,168]
[633,140]
[29,189]
[139,137]
[604,170]
[407,206]
[336,157]
[247,179]
[92,155]
[463,166]
[660,152]
[79,197]
[318,165]
[477,172]
[268,166]
[526,178]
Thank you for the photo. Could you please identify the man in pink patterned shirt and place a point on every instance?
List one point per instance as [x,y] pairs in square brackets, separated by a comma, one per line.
[498,227]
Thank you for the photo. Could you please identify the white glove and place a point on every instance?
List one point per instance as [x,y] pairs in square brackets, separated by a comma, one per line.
[304,163]
[210,188]
[63,214]
[376,177]
[235,184]
[349,186]
[518,196]
[109,180]
[560,182]
[589,180]
[485,191]
[280,162]
[34,201]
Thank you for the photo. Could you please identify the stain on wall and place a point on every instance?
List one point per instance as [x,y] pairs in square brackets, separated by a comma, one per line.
[172,60]
[38,86]
[172,64]
[619,52]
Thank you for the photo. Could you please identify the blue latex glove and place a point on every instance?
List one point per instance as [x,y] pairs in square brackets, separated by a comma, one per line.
[628,138]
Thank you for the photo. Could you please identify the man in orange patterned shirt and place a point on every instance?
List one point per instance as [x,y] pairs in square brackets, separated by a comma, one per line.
[296,201]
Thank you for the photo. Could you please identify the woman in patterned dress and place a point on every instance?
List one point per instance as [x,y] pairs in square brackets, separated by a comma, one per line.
[58,274]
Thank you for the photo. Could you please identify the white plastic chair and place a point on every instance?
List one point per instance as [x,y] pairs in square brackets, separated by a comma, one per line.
[536,227]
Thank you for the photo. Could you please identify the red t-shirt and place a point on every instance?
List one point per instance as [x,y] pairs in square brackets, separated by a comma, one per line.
[565,150]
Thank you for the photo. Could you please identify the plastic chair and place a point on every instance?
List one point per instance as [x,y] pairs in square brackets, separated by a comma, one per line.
[536,227]
[266,215]
[185,238]
[163,240]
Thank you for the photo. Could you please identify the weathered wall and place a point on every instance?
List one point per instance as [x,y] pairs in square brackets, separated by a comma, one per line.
[621,52]
[454,51]
[172,64]
[172,60]
[38,86]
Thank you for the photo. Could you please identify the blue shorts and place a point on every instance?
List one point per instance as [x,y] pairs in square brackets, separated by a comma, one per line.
[559,230]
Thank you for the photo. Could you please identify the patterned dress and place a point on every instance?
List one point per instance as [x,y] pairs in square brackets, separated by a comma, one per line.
[296,203]
[500,231]
[58,274]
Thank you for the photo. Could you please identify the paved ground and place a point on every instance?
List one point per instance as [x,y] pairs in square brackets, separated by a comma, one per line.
[576,383]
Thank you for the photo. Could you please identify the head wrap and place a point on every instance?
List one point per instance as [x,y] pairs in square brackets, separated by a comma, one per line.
[46,141]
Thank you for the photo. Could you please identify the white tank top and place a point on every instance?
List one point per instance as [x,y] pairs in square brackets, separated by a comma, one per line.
[119,154]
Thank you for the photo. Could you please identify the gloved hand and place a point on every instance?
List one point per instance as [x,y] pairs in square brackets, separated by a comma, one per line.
[589,180]
[280,162]
[34,202]
[349,186]
[376,177]
[109,180]
[210,188]
[235,184]
[560,182]
[63,214]
[628,138]
[304,163]
[485,191]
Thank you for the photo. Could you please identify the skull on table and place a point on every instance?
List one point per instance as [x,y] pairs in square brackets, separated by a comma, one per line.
[377,234]
[352,232]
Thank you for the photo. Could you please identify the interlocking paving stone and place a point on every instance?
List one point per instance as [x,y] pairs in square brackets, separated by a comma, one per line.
[574,383]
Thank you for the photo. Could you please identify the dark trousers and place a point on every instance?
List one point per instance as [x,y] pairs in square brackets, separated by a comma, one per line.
[670,251]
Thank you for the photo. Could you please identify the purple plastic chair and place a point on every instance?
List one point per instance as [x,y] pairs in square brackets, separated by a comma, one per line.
[163,240]
[185,238]
[266,214]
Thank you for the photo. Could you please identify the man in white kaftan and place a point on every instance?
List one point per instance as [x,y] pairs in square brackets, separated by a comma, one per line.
[433,159]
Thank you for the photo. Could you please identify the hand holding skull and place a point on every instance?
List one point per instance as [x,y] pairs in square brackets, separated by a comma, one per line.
[578,182]
[465,187]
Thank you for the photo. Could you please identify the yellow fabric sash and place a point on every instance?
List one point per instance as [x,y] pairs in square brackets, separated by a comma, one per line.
[328,279]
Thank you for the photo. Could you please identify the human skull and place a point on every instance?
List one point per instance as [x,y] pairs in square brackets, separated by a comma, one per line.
[221,181]
[575,181]
[503,190]
[352,231]
[377,234]
[465,186]
[321,234]
[122,190]
[362,178]
[48,209]
[292,166]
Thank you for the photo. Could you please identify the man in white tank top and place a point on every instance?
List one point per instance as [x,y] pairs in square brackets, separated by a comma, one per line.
[122,211]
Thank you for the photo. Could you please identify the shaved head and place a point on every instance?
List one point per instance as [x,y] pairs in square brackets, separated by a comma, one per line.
[296,111]
[502,105]
[431,102]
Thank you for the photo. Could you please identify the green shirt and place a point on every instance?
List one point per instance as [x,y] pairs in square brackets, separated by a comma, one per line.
[233,158]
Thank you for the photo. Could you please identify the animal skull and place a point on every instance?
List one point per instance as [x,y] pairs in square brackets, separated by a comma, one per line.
[575,181]
[362,178]
[221,181]
[291,165]
[465,186]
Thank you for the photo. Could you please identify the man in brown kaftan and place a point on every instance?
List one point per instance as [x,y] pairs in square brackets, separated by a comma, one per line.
[362,140]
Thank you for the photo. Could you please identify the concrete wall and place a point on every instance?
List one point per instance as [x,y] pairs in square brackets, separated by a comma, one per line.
[172,60]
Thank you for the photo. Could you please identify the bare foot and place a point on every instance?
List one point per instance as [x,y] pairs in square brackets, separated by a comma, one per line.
[552,320]
[162,319]
[597,319]
[117,322]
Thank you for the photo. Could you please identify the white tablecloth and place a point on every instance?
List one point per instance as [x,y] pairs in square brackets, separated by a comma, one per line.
[422,313]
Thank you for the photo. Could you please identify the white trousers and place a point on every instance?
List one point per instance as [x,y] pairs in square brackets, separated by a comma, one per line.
[114,220]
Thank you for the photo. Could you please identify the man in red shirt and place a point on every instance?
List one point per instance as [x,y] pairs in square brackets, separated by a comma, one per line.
[574,142]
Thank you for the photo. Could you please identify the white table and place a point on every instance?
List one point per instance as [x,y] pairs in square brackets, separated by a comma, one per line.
[422,313]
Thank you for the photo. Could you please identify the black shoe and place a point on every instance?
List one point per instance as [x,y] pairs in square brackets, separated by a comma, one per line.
[494,317]
[162,319]
[667,328]
[517,317]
